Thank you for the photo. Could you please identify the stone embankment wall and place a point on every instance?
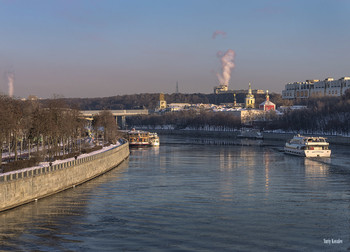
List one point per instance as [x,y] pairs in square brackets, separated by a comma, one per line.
[233,134]
[23,187]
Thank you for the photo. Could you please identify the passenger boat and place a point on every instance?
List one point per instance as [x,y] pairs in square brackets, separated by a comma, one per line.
[308,146]
[153,139]
[142,138]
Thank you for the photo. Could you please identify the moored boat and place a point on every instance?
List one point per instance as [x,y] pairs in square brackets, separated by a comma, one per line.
[138,138]
[142,138]
[153,139]
[308,146]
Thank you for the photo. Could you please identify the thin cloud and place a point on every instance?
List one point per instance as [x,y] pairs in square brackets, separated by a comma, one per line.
[216,33]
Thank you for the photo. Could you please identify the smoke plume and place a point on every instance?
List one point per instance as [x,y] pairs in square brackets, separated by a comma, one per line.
[10,80]
[216,33]
[227,64]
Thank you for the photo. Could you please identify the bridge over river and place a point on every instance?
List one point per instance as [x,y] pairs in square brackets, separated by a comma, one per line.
[119,115]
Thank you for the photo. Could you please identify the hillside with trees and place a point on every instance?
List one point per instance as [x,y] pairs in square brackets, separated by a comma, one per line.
[184,119]
[150,101]
[329,115]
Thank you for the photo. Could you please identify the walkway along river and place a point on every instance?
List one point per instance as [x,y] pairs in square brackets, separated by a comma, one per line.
[191,195]
[23,186]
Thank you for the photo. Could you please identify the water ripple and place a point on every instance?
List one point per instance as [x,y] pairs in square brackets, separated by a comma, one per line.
[194,198]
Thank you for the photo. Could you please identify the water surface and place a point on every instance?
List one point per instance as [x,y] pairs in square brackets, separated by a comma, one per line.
[194,197]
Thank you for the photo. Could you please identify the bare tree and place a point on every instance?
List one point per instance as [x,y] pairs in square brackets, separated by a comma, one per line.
[105,123]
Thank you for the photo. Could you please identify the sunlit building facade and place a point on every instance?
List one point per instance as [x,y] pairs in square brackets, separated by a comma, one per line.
[309,88]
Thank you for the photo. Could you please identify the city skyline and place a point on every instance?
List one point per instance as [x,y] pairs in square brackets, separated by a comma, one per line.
[106,48]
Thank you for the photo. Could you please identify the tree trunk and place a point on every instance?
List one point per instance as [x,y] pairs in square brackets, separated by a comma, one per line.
[0,156]
[15,147]
[28,148]
[9,148]
[63,146]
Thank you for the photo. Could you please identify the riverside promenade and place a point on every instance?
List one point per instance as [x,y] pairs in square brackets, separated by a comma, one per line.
[30,184]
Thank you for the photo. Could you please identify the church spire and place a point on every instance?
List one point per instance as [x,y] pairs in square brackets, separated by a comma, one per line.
[267,95]
[250,100]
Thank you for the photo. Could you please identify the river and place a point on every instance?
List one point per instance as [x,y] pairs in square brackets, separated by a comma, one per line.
[195,195]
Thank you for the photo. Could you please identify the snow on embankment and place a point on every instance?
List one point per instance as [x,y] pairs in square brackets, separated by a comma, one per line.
[56,162]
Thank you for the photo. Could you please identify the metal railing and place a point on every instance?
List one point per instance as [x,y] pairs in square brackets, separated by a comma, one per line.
[35,171]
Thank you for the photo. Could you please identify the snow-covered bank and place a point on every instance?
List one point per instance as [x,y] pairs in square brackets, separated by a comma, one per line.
[56,162]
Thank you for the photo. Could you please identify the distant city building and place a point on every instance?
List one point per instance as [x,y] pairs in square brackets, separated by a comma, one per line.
[222,89]
[32,98]
[247,116]
[267,104]
[178,106]
[249,99]
[314,88]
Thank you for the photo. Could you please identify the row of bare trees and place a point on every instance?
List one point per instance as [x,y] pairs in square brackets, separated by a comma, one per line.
[322,115]
[106,126]
[54,130]
[29,129]
[192,119]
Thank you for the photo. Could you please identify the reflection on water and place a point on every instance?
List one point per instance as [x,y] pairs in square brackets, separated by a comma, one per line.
[194,197]
[30,225]
[267,165]
[316,167]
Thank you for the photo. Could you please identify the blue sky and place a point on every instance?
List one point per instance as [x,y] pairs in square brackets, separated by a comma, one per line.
[98,48]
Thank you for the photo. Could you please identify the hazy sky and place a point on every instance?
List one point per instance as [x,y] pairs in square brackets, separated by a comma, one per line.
[98,48]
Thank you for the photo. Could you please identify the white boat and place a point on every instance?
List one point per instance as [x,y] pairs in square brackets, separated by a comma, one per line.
[142,138]
[153,139]
[308,146]
[250,133]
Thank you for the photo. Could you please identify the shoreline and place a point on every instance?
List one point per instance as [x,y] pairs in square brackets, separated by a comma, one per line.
[337,140]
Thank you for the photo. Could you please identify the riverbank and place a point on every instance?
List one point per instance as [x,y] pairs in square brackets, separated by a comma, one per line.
[332,139]
[26,185]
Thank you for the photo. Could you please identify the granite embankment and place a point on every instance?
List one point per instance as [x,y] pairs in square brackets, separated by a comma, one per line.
[332,139]
[24,186]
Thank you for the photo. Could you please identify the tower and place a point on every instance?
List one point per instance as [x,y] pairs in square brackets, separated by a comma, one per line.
[234,100]
[162,102]
[249,99]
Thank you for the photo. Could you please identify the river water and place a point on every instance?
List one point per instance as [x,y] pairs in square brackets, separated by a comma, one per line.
[195,195]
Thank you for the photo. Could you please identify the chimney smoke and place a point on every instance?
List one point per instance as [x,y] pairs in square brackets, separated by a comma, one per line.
[10,80]
[227,64]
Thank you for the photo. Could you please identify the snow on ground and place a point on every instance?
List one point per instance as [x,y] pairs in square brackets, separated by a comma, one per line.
[46,164]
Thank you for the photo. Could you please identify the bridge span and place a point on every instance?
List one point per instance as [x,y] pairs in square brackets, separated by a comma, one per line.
[119,115]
